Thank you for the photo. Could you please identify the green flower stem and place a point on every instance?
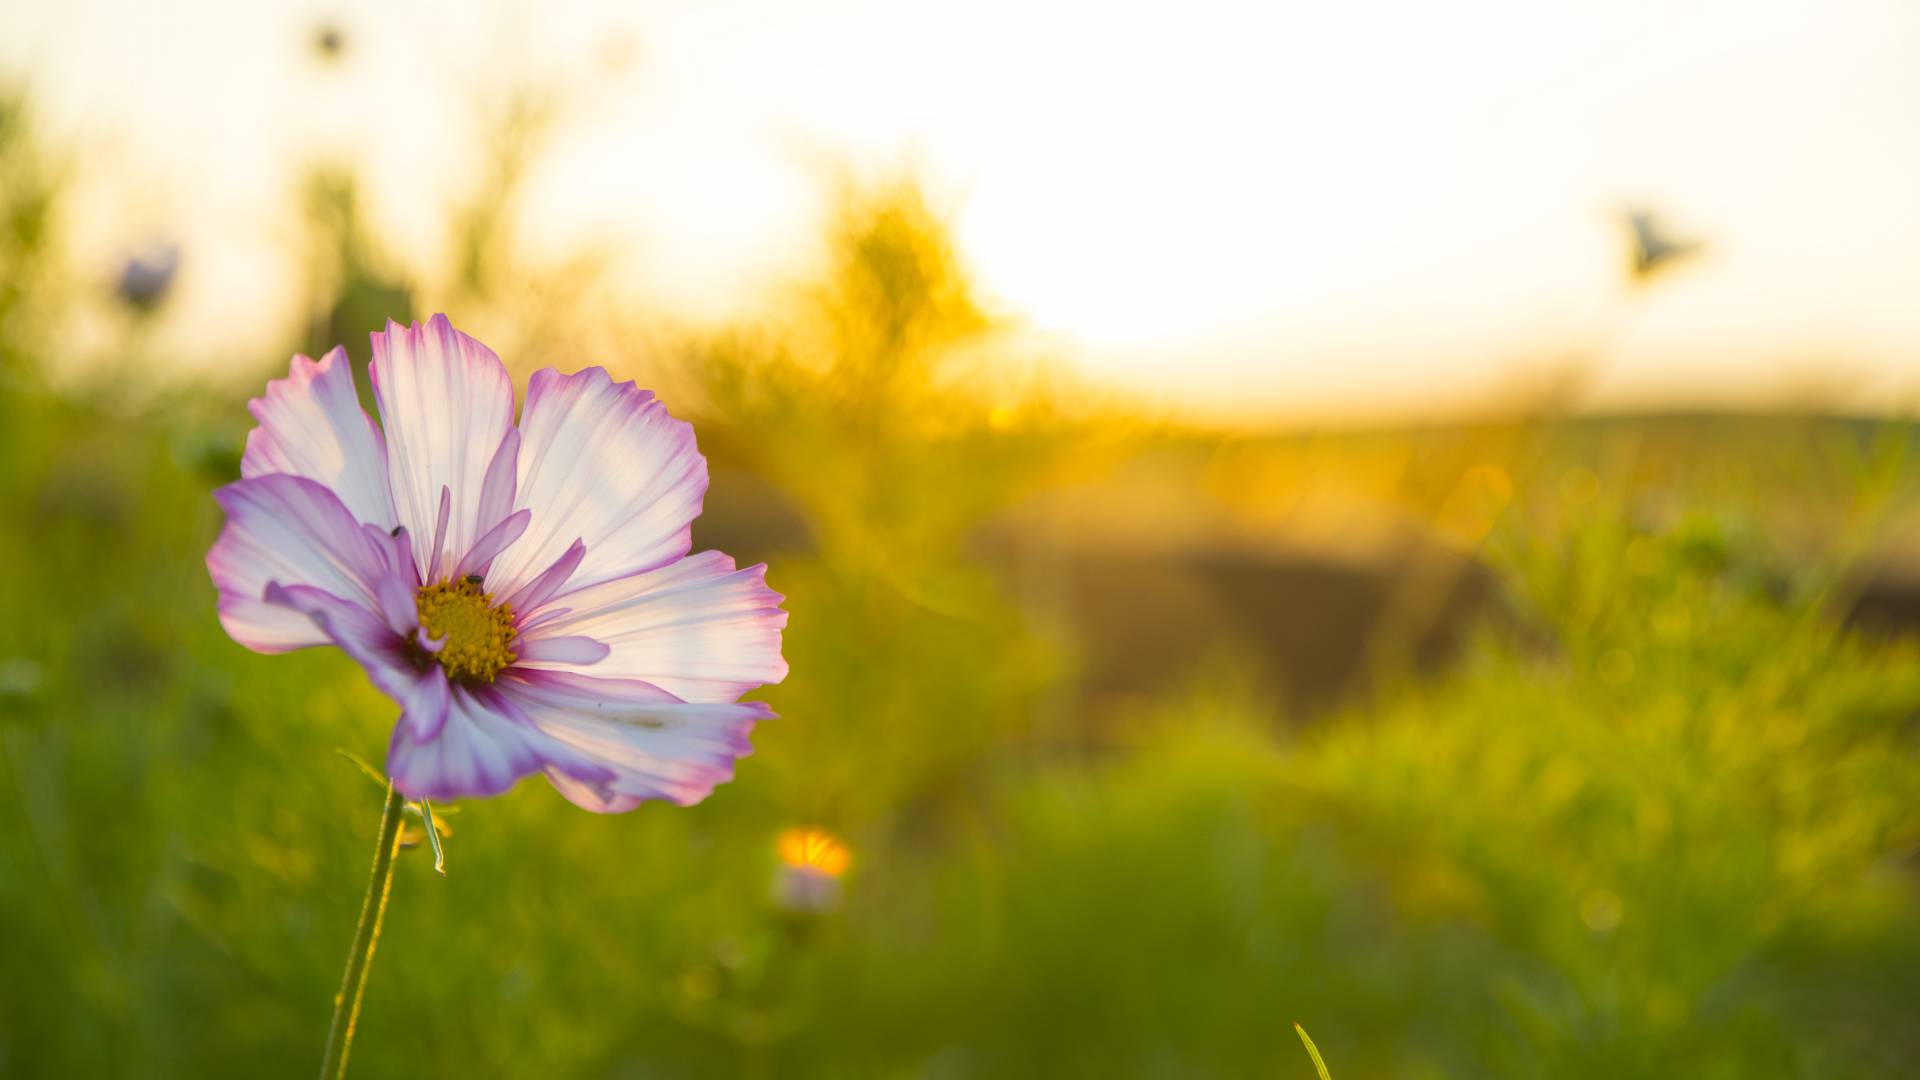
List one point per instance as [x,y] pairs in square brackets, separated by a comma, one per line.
[353,985]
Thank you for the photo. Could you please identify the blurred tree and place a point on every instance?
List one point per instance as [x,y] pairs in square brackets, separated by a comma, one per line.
[896,301]
[354,292]
[862,404]
[484,220]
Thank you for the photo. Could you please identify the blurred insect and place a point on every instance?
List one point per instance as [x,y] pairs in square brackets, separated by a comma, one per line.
[146,278]
[1653,245]
[329,41]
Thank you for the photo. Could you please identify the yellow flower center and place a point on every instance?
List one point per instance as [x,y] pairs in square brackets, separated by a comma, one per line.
[478,635]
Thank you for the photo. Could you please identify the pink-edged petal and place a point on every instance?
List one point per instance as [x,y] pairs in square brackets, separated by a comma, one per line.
[496,491]
[395,589]
[424,713]
[547,615]
[698,629]
[498,539]
[483,749]
[533,594]
[597,798]
[447,405]
[398,553]
[398,606]
[288,530]
[431,570]
[602,462]
[311,425]
[562,650]
[655,745]
[365,636]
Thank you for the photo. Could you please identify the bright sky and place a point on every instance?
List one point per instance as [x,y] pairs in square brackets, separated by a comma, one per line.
[1363,206]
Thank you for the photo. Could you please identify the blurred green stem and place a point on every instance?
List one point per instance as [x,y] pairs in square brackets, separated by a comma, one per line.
[346,1004]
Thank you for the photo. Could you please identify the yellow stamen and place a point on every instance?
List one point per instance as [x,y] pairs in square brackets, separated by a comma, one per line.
[478,634]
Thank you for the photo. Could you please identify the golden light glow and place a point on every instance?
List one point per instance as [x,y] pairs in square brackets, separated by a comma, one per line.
[814,849]
[1307,209]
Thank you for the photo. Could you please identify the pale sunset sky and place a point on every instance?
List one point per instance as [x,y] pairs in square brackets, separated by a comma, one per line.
[1235,209]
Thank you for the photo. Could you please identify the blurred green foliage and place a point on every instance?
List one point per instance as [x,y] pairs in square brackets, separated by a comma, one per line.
[29,216]
[1659,822]
[352,279]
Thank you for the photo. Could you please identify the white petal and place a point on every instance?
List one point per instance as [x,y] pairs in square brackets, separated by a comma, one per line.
[642,742]
[447,404]
[572,651]
[698,629]
[311,425]
[601,462]
[289,531]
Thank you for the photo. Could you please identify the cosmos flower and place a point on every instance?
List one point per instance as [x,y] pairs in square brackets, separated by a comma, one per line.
[524,591]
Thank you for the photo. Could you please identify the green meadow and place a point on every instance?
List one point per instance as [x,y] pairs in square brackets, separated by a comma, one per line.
[1534,746]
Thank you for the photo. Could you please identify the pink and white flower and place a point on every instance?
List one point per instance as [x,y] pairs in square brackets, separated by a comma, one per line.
[524,591]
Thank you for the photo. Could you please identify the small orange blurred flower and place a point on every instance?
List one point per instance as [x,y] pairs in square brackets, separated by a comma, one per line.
[814,849]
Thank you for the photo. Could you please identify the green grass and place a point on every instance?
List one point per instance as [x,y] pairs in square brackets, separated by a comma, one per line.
[1660,826]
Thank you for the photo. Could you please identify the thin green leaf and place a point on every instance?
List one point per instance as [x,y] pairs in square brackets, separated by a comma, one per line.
[1314,1051]
[433,838]
[372,773]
